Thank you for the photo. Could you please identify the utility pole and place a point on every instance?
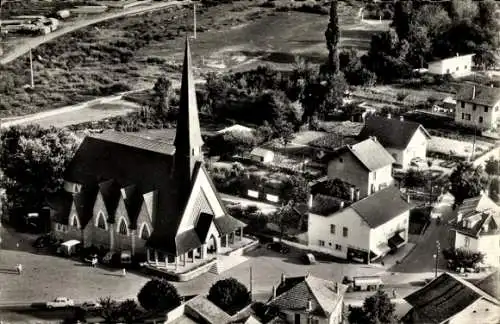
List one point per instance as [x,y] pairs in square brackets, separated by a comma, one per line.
[436,257]
[31,69]
[194,20]
[251,285]
[473,142]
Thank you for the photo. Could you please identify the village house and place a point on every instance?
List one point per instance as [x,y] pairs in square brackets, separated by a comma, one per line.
[478,107]
[477,228]
[449,299]
[363,231]
[124,192]
[367,166]
[308,300]
[404,140]
[456,66]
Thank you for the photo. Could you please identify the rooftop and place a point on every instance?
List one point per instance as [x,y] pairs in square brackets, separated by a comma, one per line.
[478,94]
[371,154]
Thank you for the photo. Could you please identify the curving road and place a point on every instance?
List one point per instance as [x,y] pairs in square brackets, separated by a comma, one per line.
[36,41]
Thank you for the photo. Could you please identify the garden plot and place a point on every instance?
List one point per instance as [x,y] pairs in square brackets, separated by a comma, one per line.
[457,148]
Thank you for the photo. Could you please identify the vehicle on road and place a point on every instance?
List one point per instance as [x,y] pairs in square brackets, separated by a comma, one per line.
[278,247]
[60,302]
[91,305]
[309,258]
[365,283]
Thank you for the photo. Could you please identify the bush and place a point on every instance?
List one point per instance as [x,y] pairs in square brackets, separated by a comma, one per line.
[159,295]
[462,258]
[229,295]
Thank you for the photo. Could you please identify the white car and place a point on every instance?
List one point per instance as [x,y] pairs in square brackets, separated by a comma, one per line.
[60,302]
[90,305]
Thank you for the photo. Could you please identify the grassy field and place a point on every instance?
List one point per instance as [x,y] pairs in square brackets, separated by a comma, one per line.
[130,53]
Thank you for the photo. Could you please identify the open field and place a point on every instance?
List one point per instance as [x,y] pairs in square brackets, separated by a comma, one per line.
[132,52]
[457,148]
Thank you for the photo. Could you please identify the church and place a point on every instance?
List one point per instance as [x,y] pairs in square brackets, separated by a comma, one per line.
[123,192]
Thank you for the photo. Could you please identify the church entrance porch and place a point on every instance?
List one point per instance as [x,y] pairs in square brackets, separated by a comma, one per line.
[232,241]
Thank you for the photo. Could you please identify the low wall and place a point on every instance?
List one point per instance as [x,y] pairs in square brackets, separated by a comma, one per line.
[249,247]
[88,9]
[319,252]
[186,276]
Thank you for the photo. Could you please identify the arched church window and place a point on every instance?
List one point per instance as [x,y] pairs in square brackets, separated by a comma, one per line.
[101,222]
[145,232]
[123,227]
[74,223]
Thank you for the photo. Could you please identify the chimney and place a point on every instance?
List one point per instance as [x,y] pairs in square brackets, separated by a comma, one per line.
[402,118]
[352,193]
[473,92]
[485,227]
[309,306]
[389,116]
[374,138]
[357,194]
[408,200]
[341,204]
[336,287]
[310,201]
[274,292]
[283,277]
[459,217]
[458,55]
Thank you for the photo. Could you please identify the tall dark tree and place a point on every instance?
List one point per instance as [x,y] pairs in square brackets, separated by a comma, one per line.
[466,182]
[129,311]
[109,310]
[230,295]
[286,218]
[159,295]
[161,96]
[332,35]
[492,167]
[403,17]
[379,308]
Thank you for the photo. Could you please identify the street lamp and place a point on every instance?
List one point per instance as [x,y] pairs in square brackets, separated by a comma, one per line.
[436,257]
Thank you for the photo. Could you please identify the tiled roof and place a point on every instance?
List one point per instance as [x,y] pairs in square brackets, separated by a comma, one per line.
[136,142]
[209,312]
[84,203]
[333,141]
[491,284]
[390,132]
[111,193]
[479,203]
[479,219]
[381,207]
[445,297]
[227,224]
[133,203]
[258,151]
[295,293]
[371,154]
[478,94]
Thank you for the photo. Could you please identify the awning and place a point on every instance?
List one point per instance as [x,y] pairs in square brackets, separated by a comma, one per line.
[380,250]
[396,241]
[71,243]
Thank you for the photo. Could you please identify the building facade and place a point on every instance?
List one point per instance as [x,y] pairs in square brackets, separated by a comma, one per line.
[404,140]
[367,166]
[478,106]
[364,231]
[124,192]
[456,66]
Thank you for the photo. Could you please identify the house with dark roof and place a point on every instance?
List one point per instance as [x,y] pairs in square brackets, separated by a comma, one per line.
[366,165]
[363,231]
[478,107]
[477,228]
[404,140]
[307,299]
[149,197]
[450,299]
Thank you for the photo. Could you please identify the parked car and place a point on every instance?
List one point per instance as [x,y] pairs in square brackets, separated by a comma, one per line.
[60,302]
[419,163]
[92,305]
[278,247]
[309,258]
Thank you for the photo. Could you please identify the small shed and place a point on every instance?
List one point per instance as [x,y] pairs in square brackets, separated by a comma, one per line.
[236,128]
[69,247]
[262,155]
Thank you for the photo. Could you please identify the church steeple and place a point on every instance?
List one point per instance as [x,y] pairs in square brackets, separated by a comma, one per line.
[188,142]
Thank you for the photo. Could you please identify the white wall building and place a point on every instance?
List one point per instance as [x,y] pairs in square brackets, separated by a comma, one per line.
[478,106]
[366,230]
[457,66]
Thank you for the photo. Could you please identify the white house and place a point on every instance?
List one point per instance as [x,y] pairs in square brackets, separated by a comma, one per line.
[404,140]
[478,106]
[449,299]
[457,66]
[308,300]
[262,155]
[366,165]
[477,228]
[364,231]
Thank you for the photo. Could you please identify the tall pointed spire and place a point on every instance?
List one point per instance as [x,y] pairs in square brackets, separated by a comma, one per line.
[188,141]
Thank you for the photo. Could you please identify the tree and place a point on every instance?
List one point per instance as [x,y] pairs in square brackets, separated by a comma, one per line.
[159,295]
[420,46]
[335,87]
[286,218]
[403,15]
[354,71]
[492,167]
[109,310]
[414,179]
[162,92]
[379,309]
[357,315]
[231,143]
[465,181]
[264,132]
[284,130]
[295,190]
[332,35]
[463,9]
[32,161]
[495,190]
[129,311]
[434,18]
[462,258]
[334,188]
[229,295]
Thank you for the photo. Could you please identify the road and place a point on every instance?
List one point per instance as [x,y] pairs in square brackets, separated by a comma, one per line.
[37,41]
